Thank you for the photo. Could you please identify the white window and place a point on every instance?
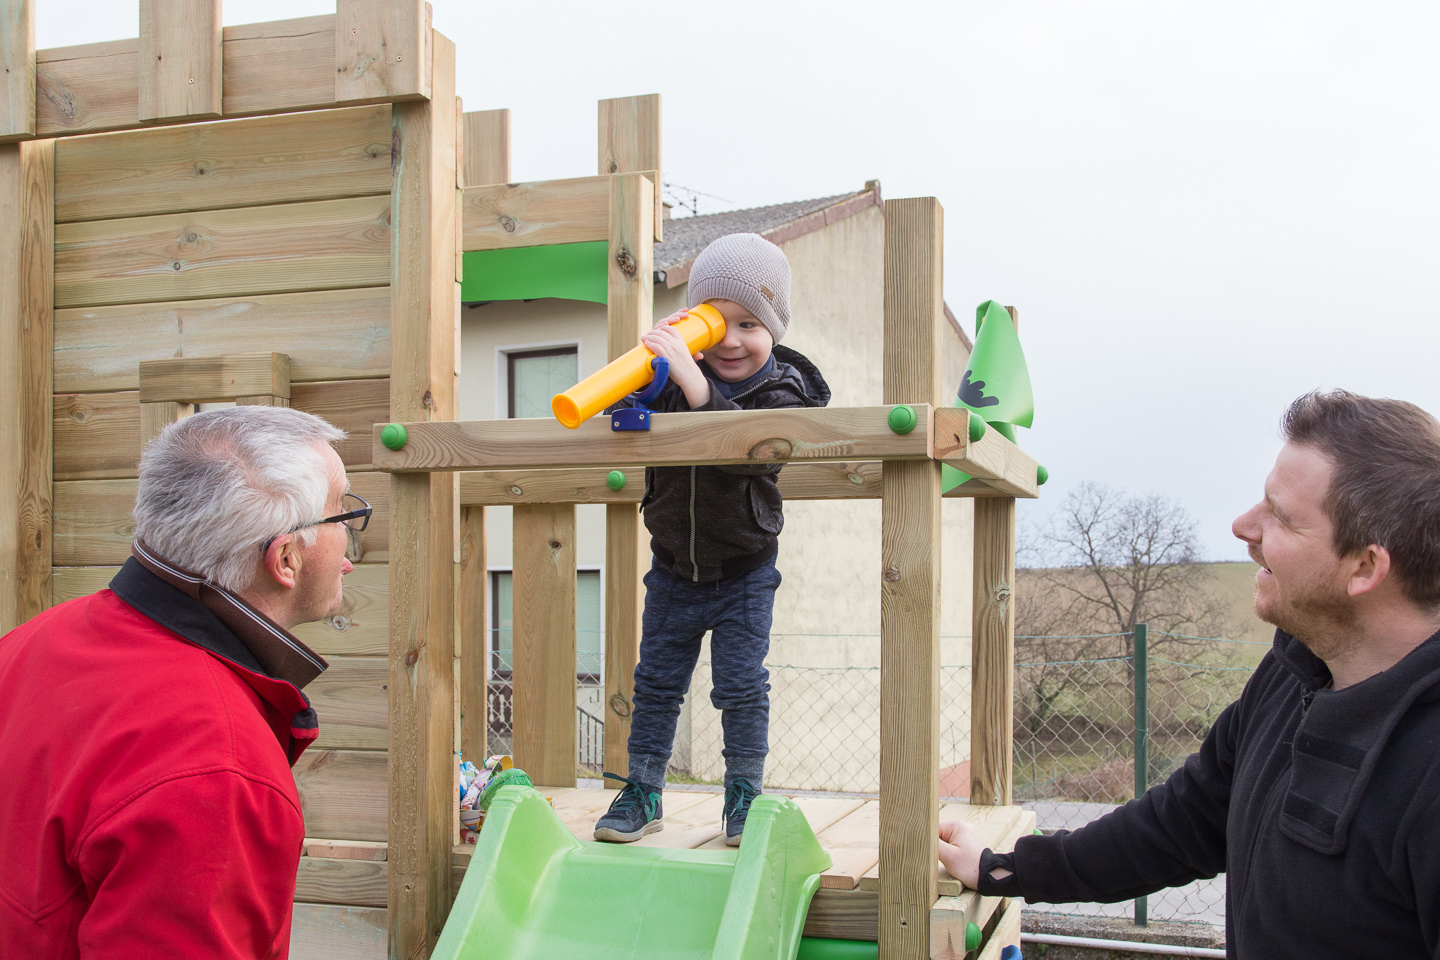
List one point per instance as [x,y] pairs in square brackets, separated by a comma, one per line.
[533,377]
[589,636]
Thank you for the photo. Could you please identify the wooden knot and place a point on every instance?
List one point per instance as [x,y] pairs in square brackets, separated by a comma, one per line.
[517,491]
[620,705]
[555,544]
[773,448]
[508,222]
[1002,593]
[614,167]
[412,658]
[428,400]
[891,575]
[855,478]
[625,260]
[340,623]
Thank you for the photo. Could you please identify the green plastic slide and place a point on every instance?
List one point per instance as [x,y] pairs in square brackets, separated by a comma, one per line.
[534,891]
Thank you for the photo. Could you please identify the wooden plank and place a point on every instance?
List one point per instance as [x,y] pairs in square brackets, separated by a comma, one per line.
[580,820]
[992,652]
[97,435]
[362,625]
[337,932]
[17,48]
[94,525]
[180,60]
[26,354]
[820,812]
[236,252]
[345,849]
[380,51]
[910,588]
[485,136]
[544,637]
[342,793]
[328,335]
[87,89]
[206,379]
[992,458]
[502,215]
[156,416]
[279,66]
[473,610]
[424,541]
[626,557]
[853,845]
[630,142]
[739,436]
[342,881]
[694,826]
[206,166]
[844,915]
[352,703]
[68,583]
[1005,934]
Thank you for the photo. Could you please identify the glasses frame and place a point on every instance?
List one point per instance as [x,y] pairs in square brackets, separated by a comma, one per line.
[363,515]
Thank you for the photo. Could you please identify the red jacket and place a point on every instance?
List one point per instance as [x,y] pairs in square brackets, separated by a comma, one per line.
[148,807]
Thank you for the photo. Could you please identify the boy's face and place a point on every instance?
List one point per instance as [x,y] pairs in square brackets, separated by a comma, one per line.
[746,345]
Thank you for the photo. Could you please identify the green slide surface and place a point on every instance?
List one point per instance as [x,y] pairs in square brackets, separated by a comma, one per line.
[535,891]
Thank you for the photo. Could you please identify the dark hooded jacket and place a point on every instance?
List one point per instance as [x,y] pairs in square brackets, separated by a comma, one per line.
[1322,806]
[713,523]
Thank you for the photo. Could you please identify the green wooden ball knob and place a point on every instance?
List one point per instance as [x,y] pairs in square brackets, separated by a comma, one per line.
[615,480]
[1041,474]
[902,418]
[977,428]
[972,937]
[393,436]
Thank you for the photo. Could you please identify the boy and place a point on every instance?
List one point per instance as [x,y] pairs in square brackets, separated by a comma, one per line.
[714,535]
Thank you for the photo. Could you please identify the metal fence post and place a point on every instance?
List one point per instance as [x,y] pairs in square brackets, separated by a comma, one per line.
[1142,738]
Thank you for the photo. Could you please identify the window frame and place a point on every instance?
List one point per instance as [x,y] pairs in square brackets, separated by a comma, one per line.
[533,353]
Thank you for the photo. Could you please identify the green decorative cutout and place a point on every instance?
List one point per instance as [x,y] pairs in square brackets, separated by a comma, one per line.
[996,385]
[570,271]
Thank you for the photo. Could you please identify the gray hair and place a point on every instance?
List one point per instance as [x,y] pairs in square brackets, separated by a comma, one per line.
[216,485]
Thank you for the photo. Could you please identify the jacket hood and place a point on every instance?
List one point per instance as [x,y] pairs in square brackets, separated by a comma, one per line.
[1342,735]
[808,375]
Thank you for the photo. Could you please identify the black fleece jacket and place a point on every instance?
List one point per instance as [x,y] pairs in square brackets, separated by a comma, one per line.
[1322,806]
[712,523]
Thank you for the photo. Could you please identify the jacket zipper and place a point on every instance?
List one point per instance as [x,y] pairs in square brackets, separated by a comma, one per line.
[1276,792]
[694,568]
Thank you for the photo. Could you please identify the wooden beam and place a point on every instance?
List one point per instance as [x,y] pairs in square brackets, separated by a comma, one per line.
[910,588]
[244,251]
[994,459]
[423,540]
[206,379]
[630,143]
[498,216]
[27,195]
[992,652]
[486,140]
[324,155]
[17,50]
[737,436]
[180,60]
[380,51]
[630,313]
[473,604]
[280,66]
[155,417]
[544,642]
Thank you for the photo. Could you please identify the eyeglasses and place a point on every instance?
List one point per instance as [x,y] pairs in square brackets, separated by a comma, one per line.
[356,519]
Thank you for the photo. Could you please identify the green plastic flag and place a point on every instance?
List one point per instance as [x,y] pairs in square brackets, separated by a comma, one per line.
[996,384]
[570,271]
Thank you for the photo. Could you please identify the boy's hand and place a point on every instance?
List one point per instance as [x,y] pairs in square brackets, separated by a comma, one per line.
[664,341]
[960,850]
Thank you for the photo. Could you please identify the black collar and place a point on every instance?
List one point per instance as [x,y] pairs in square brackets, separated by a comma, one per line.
[213,618]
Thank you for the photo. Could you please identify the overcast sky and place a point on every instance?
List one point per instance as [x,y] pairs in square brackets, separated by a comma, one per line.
[1201,210]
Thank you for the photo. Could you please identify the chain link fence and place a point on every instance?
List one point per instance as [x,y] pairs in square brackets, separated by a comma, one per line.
[1074,733]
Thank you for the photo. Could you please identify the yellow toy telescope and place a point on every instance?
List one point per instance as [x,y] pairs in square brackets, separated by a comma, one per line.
[619,378]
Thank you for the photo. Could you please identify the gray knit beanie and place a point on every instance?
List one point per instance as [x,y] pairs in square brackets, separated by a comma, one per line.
[750,270]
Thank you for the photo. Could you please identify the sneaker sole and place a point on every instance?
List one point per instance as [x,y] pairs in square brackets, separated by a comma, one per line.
[734,841]
[615,836]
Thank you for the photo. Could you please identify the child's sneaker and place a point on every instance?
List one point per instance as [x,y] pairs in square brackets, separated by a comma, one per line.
[738,797]
[632,814]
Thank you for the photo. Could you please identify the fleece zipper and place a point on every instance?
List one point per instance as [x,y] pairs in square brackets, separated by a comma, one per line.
[694,567]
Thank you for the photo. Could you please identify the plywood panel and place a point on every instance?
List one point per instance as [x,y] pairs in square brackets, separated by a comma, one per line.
[343,793]
[328,335]
[326,932]
[94,524]
[352,701]
[279,66]
[238,252]
[207,166]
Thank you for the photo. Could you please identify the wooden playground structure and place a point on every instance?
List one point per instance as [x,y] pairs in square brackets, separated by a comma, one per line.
[307,251]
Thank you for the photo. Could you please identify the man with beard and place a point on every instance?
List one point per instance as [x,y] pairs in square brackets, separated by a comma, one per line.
[1318,791]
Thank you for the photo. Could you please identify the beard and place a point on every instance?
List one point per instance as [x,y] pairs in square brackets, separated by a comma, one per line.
[1319,615]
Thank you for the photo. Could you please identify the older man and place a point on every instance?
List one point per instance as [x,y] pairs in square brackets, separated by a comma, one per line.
[1318,791]
[147,731]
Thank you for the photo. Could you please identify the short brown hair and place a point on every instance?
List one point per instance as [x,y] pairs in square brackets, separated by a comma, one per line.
[1386,486]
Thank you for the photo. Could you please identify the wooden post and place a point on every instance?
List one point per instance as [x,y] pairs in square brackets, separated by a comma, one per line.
[27,247]
[380,52]
[155,417]
[992,652]
[423,319]
[910,589]
[180,60]
[473,605]
[630,142]
[17,49]
[487,147]
[545,649]
[627,556]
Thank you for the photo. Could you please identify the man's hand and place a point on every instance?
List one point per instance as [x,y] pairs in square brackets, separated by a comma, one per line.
[664,341]
[960,850]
